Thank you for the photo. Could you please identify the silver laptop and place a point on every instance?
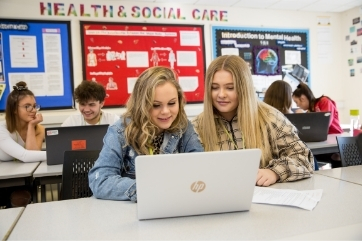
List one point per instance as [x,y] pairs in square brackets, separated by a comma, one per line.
[312,126]
[70,138]
[195,183]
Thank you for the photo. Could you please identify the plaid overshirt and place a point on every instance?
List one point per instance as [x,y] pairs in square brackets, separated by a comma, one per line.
[291,158]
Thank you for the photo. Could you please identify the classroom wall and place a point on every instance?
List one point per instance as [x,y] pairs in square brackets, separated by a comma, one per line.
[325,75]
[353,84]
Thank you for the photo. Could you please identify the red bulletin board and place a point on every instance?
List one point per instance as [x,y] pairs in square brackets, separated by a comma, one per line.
[115,54]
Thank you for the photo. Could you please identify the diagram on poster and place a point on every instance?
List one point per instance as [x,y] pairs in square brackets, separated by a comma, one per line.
[115,54]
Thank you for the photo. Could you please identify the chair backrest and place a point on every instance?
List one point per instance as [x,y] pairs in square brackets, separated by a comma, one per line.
[75,173]
[348,150]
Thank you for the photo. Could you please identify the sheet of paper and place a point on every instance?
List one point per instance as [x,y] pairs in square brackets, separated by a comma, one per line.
[307,199]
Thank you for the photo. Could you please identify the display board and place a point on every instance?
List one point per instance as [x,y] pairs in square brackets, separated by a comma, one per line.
[270,53]
[115,54]
[38,53]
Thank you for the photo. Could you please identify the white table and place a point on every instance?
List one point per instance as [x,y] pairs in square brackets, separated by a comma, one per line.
[16,173]
[8,219]
[328,146]
[350,174]
[93,219]
[45,174]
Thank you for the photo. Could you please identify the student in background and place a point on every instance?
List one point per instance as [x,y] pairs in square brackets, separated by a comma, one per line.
[304,98]
[90,96]
[279,95]
[233,118]
[154,123]
[21,135]
[21,138]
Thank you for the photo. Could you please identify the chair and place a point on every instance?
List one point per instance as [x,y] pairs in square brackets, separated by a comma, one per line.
[348,150]
[75,173]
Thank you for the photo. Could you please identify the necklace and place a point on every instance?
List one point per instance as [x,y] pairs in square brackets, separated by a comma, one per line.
[231,139]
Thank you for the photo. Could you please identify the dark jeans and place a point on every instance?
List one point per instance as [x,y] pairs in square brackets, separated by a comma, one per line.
[316,167]
[327,158]
[5,194]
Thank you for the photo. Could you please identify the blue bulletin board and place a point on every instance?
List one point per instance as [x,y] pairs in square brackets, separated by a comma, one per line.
[38,53]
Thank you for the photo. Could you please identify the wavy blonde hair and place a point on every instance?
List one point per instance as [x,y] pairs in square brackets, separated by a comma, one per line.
[252,114]
[139,128]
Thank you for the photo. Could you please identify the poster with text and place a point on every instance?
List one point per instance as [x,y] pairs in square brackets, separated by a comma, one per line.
[38,53]
[272,54]
[115,54]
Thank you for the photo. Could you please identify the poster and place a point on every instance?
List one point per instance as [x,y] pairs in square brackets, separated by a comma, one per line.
[115,54]
[39,53]
[270,53]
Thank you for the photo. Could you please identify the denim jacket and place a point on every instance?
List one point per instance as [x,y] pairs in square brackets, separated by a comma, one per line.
[113,174]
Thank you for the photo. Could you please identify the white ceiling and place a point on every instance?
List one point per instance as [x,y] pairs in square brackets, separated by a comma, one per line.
[296,5]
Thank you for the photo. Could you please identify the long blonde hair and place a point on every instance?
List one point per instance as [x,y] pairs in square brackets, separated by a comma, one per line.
[139,128]
[252,114]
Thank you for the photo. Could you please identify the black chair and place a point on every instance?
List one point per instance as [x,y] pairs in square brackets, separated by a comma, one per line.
[348,150]
[75,173]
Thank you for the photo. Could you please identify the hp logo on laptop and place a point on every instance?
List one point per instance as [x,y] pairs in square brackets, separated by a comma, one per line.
[198,186]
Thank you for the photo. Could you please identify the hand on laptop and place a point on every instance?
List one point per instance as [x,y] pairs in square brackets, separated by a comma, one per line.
[266,177]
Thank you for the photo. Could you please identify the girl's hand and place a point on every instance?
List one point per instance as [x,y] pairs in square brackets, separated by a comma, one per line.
[266,177]
[37,119]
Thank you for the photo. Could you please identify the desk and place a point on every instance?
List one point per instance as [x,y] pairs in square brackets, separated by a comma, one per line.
[328,146]
[16,173]
[45,174]
[350,174]
[93,219]
[8,219]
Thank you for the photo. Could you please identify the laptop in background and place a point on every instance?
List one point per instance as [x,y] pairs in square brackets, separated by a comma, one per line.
[195,183]
[68,138]
[312,126]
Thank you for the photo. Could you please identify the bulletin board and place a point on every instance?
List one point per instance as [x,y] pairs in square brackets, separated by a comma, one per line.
[115,54]
[38,53]
[270,53]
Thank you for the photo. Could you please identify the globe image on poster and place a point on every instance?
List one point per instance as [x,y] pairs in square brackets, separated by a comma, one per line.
[266,62]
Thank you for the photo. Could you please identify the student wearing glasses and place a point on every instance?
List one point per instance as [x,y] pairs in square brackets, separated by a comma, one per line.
[154,123]
[234,118]
[90,95]
[21,135]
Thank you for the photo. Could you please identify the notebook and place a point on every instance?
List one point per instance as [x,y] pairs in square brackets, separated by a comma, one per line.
[312,126]
[174,185]
[68,138]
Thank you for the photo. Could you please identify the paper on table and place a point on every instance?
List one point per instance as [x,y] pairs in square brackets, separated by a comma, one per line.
[303,199]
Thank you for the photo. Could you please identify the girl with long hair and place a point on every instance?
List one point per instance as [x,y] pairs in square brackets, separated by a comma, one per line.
[154,123]
[21,135]
[234,118]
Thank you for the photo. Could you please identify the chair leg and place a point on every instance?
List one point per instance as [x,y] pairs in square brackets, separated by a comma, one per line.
[43,199]
[35,193]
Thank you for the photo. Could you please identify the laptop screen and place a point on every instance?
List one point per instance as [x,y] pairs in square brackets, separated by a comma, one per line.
[68,138]
[311,126]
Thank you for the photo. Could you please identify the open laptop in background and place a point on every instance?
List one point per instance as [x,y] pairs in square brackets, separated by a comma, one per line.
[312,126]
[68,138]
[195,183]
